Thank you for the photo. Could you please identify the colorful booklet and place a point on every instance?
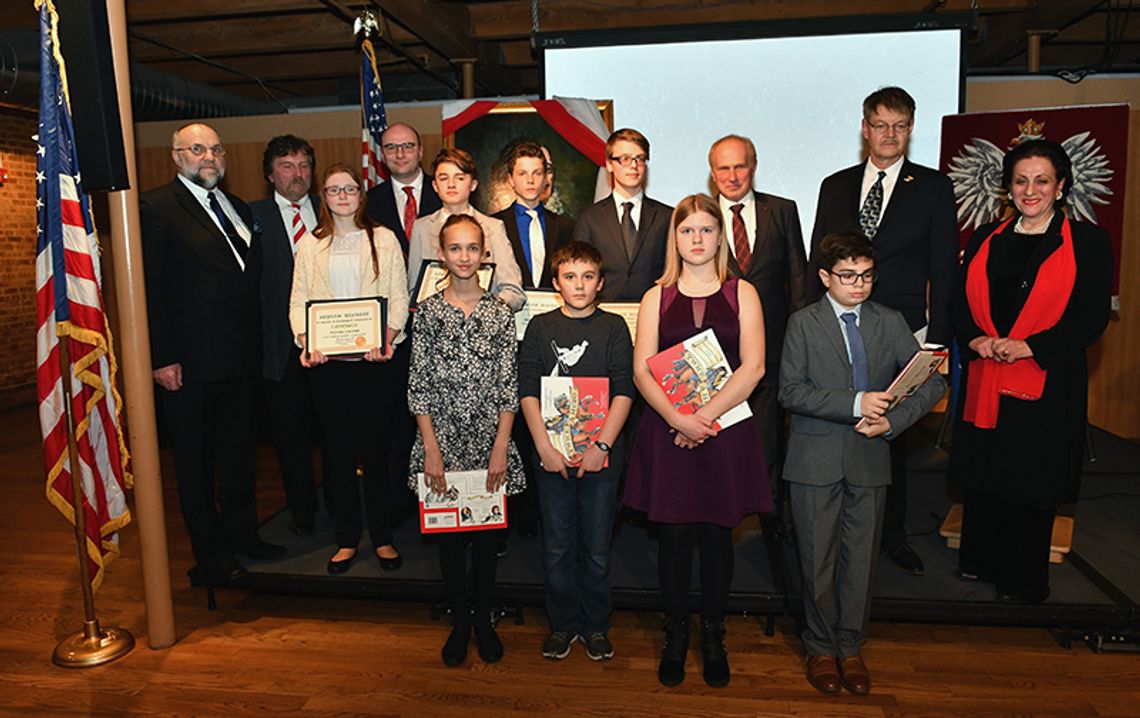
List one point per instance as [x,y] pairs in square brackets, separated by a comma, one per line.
[465,506]
[574,410]
[921,367]
[692,372]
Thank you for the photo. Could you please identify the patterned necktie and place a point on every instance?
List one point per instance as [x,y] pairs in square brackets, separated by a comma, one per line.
[860,373]
[740,238]
[410,212]
[228,228]
[872,207]
[537,247]
[628,229]
[298,225]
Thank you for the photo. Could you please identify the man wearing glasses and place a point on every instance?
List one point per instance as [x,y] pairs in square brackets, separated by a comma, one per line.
[628,228]
[399,201]
[907,211]
[202,261]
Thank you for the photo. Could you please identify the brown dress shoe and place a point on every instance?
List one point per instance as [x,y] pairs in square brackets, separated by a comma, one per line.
[822,674]
[855,675]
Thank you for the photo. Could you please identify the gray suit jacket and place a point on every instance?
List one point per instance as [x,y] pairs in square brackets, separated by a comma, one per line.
[816,388]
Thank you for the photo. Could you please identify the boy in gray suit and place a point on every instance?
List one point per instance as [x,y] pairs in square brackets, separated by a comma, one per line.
[836,352]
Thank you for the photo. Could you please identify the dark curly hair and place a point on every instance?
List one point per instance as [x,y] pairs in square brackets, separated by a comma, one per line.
[1046,149]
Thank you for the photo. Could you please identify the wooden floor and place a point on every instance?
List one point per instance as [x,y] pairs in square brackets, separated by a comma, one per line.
[273,656]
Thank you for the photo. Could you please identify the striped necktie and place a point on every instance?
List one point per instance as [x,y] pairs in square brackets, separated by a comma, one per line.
[298,224]
[740,238]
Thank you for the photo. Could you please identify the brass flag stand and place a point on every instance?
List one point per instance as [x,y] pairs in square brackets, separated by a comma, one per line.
[94,646]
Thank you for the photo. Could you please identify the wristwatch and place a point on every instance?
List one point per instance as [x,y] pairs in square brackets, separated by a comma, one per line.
[606,448]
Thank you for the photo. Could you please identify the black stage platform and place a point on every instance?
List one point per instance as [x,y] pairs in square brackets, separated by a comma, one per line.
[1097,587]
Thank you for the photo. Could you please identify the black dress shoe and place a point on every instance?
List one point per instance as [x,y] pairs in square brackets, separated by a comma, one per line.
[490,647]
[338,567]
[229,570]
[303,527]
[904,557]
[390,564]
[260,550]
[455,649]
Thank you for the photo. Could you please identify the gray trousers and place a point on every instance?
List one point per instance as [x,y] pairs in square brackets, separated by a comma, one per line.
[838,528]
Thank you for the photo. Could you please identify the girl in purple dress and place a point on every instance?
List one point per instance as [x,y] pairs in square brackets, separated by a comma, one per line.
[696,482]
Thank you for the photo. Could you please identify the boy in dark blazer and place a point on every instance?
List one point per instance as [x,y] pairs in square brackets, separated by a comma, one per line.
[628,228]
[839,354]
[526,174]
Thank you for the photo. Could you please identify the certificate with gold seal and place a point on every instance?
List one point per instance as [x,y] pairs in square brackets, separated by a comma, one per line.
[346,327]
[627,311]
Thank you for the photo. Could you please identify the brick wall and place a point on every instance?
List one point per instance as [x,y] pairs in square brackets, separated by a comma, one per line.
[17,259]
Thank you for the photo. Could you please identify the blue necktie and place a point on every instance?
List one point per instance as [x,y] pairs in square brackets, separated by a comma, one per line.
[860,373]
[238,243]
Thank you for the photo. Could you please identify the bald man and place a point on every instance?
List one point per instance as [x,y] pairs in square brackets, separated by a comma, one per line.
[202,261]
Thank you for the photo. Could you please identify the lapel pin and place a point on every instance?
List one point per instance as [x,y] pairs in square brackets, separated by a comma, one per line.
[908,178]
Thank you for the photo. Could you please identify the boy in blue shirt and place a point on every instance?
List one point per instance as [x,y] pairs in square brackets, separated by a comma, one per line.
[836,352]
[577,502]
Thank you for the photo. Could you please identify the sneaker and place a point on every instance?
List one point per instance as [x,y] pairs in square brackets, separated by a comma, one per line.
[598,647]
[557,645]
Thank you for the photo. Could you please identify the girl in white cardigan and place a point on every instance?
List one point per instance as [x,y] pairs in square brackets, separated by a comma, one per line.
[349,256]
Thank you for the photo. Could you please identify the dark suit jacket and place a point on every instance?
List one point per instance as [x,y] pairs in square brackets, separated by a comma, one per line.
[627,278]
[558,229]
[276,284]
[816,387]
[917,242]
[382,208]
[202,308]
[778,268]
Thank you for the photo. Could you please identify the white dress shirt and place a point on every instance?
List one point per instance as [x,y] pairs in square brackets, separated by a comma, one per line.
[748,214]
[203,196]
[308,215]
[871,175]
[635,210]
[417,186]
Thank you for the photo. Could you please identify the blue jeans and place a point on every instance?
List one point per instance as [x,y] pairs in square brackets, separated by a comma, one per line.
[577,528]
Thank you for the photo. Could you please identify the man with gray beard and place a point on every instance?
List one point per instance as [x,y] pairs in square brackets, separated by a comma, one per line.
[202,261]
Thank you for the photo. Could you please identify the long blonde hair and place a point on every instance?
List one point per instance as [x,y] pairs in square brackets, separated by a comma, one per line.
[686,208]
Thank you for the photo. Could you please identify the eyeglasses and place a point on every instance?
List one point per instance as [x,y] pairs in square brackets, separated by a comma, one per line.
[394,147]
[900,128]
[349,189]
[849,278]
[200,150]
[631,160]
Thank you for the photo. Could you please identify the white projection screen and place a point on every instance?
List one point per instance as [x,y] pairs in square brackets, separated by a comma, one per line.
[799,98]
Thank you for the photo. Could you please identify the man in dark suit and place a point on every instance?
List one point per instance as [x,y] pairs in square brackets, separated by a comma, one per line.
[285,218]
[202,260]
[535,232]
[767,251]
[628,228]
[397,202]
[907,210]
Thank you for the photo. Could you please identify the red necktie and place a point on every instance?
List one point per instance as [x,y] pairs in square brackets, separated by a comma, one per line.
[298,224]
[410,212]
[740,238]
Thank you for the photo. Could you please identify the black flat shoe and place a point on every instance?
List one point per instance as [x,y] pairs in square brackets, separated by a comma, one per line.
[338,567]
[490,647]
[390,564]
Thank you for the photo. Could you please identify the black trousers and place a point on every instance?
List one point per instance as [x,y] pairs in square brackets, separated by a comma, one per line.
[894,513]
[354,404]
[453,566]
[291,422]
[675,563]
[214,426]
[402,429]
[1006,542]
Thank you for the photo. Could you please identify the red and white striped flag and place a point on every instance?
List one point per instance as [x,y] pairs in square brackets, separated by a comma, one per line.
[69,307]
[373,120]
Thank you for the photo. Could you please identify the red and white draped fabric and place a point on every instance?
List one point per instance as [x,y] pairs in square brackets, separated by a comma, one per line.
[576,120]
[69,308]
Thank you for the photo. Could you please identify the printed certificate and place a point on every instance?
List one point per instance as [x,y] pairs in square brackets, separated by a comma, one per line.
[346,327]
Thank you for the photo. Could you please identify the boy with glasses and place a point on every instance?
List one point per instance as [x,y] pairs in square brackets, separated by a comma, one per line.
[839,354]
[628,228]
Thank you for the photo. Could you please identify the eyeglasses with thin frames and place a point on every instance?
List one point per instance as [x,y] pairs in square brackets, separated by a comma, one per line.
[631,160]
[849,278]
[349,189]
[394,147]
[200,150]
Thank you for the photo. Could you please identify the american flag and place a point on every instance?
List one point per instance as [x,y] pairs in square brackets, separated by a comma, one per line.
[372,117]
[69,307]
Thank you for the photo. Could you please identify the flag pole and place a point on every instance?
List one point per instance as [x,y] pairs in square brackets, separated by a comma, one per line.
[94,646]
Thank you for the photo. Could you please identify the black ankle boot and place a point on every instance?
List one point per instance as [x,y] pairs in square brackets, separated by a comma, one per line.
[455,649]
[713,653]
[671,671]
[490,647]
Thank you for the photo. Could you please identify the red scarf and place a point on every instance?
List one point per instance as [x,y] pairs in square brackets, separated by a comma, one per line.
[989,379]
